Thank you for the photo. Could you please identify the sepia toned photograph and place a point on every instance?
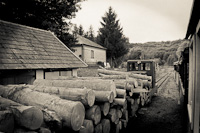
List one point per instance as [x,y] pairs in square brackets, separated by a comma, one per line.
[99,66]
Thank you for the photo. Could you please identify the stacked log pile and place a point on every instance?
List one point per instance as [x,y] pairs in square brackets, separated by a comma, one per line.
[135,88]
[86,105]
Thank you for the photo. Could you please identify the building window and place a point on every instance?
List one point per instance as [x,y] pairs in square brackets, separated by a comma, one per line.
[92,54]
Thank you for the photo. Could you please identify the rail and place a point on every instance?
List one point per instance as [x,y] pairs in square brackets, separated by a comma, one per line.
[162,80]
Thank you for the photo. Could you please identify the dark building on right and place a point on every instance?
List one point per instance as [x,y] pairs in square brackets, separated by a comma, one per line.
[188,69]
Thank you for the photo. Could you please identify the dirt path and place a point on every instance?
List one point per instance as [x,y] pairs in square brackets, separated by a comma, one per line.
[163,115]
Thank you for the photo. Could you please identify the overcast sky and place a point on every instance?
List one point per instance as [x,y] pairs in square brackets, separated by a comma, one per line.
[142,20]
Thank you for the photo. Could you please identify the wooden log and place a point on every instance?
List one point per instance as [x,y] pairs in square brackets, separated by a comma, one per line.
[144,83]
[125,115]
[112,115]
[44,130]
[94,114]
[139,76]
[98,128]
[133,82]
[138,101]
[119,113]
[105,107]
[23,130]
[124,123]
[113,76]
[71,112]
[120,101]
[121,93]
[142,101]
[115,128]
[95,84]
[84,95]
[130,74]
[105,125]
[122,84]
[6,121]
[87,127]
[52,120]
[129,99]
[104,96]
[26,116]
[134,108]
[120,125]
[116,121]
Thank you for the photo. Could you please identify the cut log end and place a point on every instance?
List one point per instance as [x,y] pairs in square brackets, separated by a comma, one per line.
[106,108]
[97,115]
[36,116]
[6,121]
[111,97]
[77,117]
[90,98]
[87,127]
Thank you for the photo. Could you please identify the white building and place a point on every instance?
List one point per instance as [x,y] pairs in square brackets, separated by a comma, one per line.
[89,51]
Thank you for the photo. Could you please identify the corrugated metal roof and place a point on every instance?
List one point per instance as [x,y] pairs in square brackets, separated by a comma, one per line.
[84,41]
[23,47]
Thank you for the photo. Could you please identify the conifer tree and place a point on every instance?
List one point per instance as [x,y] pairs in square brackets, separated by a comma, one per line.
[91,34]
[80,30]
[111,36]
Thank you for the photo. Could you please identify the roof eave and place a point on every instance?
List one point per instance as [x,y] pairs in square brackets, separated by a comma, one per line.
[94,46]
[194,18]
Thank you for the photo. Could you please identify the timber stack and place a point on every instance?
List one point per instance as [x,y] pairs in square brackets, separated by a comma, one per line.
[102,104]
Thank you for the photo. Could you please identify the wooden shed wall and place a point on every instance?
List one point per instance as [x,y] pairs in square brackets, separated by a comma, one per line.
[17,76]
[28,76]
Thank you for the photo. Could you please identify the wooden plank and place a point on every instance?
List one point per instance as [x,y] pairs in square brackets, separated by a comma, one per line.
[191,87]
[189,108]
[198,76]
[196,90]
[181,86]
[193,81]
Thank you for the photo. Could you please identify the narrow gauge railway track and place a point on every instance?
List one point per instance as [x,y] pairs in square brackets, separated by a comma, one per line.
[162,80]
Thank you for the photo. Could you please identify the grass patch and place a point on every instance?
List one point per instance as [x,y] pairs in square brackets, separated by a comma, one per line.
[87,72]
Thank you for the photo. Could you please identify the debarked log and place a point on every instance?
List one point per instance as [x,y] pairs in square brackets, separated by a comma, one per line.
[71,112]
[95,84]
[84,95]
[105,125]
[94,114]
[121,93]
[104,96]
[26,116]
[104,106]
[133,75]
[87,127]
[113,76]
[6,121]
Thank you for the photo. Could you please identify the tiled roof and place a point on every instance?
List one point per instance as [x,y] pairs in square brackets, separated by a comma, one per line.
[85,41]
[23,47]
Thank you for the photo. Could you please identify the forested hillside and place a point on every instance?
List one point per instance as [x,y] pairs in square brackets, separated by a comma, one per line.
[165,51]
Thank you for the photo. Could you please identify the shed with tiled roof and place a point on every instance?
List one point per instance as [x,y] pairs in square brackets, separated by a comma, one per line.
[34,52]
[89,51]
